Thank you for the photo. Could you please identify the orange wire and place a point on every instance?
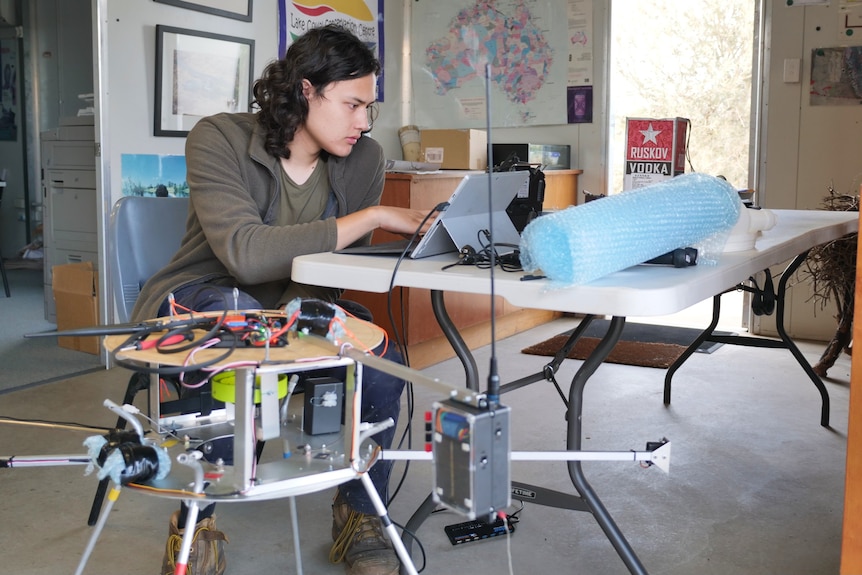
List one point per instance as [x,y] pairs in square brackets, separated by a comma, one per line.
[350,334]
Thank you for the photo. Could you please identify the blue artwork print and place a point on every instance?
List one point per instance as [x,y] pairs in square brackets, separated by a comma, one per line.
[154,175]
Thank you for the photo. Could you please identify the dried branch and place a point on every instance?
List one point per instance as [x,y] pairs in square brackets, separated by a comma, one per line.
[831,267]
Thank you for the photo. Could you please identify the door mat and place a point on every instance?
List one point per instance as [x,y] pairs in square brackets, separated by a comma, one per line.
[642,345]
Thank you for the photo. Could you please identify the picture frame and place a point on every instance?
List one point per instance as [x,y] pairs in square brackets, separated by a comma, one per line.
[199,74]
[236,9]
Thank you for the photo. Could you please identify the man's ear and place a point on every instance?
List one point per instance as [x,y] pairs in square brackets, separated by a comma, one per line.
[307,89]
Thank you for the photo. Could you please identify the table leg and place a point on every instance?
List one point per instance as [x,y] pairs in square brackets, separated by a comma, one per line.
[779,327]
[704,336]
[455,340]
[785,341]
[573,443]
[589,500]
[551,368]
[5,279]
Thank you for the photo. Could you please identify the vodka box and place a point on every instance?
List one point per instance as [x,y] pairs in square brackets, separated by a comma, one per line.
[655,150]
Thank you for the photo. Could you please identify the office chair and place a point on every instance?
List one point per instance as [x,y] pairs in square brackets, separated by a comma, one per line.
[144,233]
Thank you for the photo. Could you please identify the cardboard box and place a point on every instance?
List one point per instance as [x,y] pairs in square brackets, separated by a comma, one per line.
[455,149]
[76,294]
[655,150]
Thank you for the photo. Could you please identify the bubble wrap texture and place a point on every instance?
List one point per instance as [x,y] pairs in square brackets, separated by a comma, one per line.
[583,243]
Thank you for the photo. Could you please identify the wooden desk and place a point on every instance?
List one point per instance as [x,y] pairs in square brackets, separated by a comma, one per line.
[470,313]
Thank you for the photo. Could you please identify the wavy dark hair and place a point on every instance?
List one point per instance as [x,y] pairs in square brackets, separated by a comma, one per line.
[322,56]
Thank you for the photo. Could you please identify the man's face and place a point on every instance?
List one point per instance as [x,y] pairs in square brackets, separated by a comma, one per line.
[339,115]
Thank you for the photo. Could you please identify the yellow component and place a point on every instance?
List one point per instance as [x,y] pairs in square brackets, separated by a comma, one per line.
[113,494]
[223,385]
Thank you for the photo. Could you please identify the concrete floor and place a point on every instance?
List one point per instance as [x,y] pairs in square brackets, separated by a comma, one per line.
[755,483]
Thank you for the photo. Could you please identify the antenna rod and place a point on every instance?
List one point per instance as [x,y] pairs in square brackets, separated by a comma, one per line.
[493,373]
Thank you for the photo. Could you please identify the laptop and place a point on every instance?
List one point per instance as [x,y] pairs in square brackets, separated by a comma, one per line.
[462,222]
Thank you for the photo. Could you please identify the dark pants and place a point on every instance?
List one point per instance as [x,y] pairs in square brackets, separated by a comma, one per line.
[381,392]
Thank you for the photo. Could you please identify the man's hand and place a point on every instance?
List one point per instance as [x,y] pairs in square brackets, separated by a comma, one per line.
[402,221]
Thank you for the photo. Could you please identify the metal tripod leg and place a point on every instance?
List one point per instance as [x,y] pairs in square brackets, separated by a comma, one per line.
[294,525]
[113,494]
[406,562]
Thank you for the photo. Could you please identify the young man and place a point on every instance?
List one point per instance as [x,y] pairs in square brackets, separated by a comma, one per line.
[296,177]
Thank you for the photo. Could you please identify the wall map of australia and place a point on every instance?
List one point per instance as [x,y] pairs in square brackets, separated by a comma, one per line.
[527,81]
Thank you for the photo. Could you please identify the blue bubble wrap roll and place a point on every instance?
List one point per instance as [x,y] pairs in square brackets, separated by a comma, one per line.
[583,243]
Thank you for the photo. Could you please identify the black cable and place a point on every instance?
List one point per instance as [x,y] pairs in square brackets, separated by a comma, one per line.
[418,542]
[482,258]
[163,370]
[402,347]
[47,422]
[401,342]
[411,406]
[214,327]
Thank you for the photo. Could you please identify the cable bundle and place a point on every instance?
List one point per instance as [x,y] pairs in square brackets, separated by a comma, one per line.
[583,243]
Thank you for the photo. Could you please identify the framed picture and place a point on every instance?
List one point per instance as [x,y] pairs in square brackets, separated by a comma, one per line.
[199,74]
[236,9]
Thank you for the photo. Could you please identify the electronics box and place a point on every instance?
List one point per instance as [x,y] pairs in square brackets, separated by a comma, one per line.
[471,472]
[655,150]
[76,293]
[323,410]
[455,149]
[550,156]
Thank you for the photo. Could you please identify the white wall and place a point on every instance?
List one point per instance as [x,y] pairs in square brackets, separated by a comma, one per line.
[806,148]
[128,71]
[125,88]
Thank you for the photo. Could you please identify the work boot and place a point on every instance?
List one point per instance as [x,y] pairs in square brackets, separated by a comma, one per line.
[360,542]
[206,555]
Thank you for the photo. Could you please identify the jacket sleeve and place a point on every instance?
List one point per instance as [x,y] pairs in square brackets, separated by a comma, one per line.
[231,196]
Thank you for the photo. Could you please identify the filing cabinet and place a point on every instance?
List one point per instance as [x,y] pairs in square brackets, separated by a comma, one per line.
[68,198]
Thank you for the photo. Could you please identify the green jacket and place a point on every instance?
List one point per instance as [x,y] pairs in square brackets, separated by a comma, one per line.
[234,192]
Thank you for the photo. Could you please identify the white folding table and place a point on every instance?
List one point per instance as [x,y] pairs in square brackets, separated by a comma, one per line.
[636,291]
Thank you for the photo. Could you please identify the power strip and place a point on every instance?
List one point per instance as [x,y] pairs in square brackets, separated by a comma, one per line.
[476,531]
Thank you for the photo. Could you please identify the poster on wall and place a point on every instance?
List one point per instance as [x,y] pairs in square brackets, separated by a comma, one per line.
[154,175]
[9,90]
[836,76]
[362,17]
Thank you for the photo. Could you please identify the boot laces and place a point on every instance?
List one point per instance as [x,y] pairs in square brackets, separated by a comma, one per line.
[360,528]
[175,542]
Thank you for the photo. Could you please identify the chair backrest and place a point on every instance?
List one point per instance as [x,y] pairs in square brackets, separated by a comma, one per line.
[145,234]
